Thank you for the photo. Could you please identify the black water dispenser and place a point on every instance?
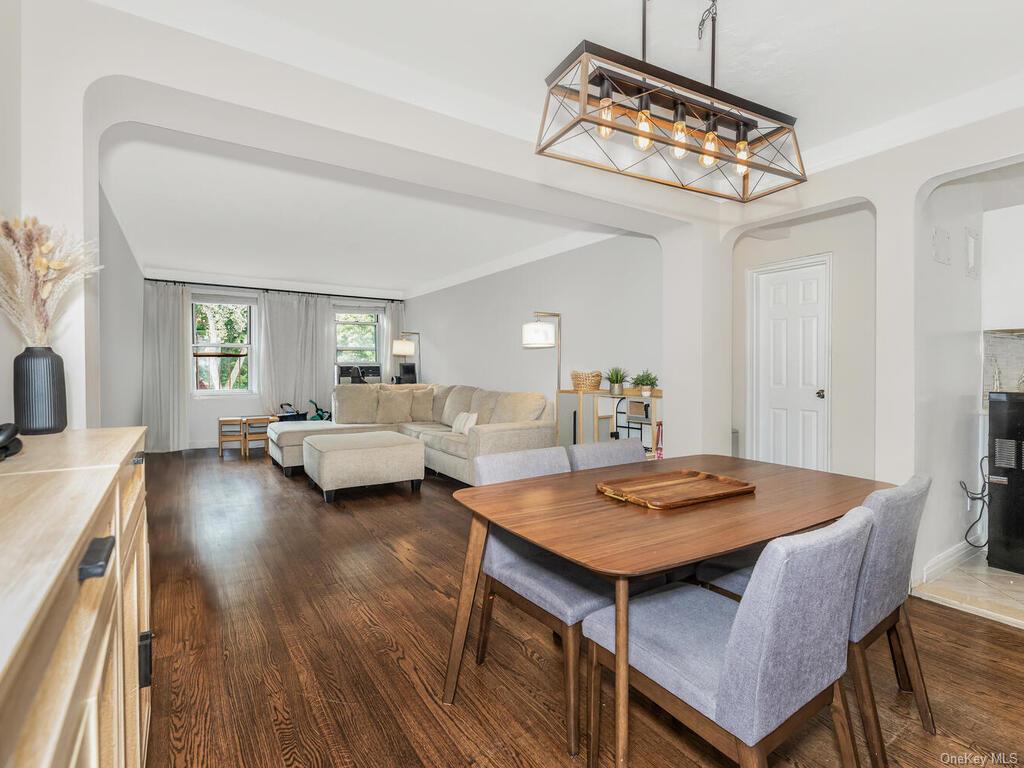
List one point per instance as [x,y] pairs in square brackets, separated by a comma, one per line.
[1006,480]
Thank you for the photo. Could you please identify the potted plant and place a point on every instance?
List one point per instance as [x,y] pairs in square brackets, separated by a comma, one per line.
[647,381]
[38,266]
[617,378]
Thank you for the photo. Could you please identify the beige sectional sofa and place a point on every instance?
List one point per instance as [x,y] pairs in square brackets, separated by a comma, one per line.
[506,421]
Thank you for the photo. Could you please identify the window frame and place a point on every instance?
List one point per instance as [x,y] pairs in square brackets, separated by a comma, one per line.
[378,317]
[250,347]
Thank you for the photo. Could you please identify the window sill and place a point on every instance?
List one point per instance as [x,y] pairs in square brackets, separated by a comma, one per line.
[213,394]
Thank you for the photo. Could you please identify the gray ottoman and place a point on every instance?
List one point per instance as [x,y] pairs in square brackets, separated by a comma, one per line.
[366,458]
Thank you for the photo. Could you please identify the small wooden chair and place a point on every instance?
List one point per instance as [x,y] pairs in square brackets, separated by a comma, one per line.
[229,430]
[255,431]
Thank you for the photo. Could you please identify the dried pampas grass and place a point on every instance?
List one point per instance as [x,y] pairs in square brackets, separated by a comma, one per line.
[38,266]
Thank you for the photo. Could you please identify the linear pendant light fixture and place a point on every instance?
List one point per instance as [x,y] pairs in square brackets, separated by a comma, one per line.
[611,111]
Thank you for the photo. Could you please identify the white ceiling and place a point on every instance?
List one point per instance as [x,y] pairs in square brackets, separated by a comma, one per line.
[198,209]
[840,67]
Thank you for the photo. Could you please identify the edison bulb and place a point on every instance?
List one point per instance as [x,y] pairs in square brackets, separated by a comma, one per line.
[742,155]
[711,145]
[679,134]
[604,131]
[643,123]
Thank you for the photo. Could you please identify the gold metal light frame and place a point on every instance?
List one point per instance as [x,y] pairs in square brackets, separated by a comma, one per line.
[596,90]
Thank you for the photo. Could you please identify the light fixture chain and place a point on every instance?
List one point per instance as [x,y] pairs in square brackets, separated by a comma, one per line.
[710,14]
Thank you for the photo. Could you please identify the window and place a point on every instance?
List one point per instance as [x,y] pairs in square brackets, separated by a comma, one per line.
[358,337]
[221,347]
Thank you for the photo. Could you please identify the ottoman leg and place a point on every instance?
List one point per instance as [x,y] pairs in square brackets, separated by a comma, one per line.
[329,496]
[416,485]
[287,471]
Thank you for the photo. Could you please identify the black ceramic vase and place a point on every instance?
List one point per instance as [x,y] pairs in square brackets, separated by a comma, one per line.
[40,399]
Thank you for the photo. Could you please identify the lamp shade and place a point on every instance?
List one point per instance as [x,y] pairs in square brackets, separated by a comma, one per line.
[403,347]
[538,335]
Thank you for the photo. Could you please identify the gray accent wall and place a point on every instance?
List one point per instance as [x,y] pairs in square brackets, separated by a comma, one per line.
[609,294]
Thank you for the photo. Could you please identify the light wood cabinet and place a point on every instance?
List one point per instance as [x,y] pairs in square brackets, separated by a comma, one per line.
[70,688]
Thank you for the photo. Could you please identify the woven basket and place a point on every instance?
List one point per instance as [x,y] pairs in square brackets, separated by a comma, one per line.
[586,380]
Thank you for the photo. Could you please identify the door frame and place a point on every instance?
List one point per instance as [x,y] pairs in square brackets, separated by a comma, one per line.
[752,352]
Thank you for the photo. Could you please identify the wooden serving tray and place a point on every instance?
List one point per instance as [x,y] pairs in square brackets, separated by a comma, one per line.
[668,490]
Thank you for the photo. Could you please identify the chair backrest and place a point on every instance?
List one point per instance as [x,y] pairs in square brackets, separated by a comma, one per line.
[885,574]
[607,454]
[788,641]
[518,465]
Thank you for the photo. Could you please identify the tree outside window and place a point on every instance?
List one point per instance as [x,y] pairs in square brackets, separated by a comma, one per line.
[221,347]
[357,338]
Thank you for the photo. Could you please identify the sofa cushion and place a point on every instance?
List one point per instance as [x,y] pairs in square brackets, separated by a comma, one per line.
[518,406]
[285,433]
[447,442]
[459,400]
[415,429]
[394,406]
[356,403]
[463,423]
[405,387]
[441,392]
[483,403]
[423,405]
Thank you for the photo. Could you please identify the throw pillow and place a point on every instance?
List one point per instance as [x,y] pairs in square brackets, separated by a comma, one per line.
[459,400]
[394,406]
[355,403]
[462,423]
[423,405]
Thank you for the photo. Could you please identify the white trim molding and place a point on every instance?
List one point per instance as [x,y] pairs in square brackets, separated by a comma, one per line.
[946,561]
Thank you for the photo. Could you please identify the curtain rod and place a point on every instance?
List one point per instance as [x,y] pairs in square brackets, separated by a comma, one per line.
[269,290]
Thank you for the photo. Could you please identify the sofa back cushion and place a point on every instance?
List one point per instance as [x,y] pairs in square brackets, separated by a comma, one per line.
[423,404]
[441,392]
[394,406]
[355,403]
[459,400]
[518,406]
[402,387]
[483,403]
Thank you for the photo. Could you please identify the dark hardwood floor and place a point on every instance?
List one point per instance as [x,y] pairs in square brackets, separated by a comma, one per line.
[290,632]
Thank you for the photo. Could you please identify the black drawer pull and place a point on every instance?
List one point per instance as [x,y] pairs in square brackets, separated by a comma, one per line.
[94,561]
[139,458]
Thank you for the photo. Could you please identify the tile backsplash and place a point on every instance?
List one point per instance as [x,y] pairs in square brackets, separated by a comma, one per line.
[1007,351]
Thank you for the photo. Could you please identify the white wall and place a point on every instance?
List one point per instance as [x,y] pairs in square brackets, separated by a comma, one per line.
[1002,276]
[120,316]
[10,174]
[609,296]
[850,238]
[948,374]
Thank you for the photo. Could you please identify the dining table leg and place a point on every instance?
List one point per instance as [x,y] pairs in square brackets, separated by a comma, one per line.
[621,672]
[464,609]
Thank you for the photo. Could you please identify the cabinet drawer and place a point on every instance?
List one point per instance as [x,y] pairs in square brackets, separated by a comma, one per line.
[131,481]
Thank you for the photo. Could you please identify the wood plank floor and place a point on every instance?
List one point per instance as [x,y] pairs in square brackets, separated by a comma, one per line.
[289,632]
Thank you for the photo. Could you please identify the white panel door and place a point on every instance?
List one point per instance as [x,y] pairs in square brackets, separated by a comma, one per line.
[791,366]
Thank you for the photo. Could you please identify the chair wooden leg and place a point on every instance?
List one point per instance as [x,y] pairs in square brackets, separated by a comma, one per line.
[485,620]
[571,651]
[866,703]
[899,664]
[751,757]
[906,635]
[594,675]
[843,727]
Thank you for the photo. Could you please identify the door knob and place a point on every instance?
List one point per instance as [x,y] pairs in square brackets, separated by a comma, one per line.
[820,394]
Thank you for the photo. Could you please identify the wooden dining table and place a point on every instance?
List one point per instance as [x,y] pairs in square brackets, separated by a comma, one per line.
[567,515]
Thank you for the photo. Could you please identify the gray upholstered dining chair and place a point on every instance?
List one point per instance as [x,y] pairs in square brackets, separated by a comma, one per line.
[746,675]
[880,604]
[606,454]
[544,586]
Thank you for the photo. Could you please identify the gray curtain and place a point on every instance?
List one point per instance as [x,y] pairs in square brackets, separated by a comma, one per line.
[166,365]
[394,323]
[294,364]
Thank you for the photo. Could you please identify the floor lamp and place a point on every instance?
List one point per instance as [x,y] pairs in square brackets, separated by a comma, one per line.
[403,346]
[538,334]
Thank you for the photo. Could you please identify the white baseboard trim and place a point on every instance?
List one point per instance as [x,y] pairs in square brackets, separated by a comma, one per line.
[947,561]
[197,444]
